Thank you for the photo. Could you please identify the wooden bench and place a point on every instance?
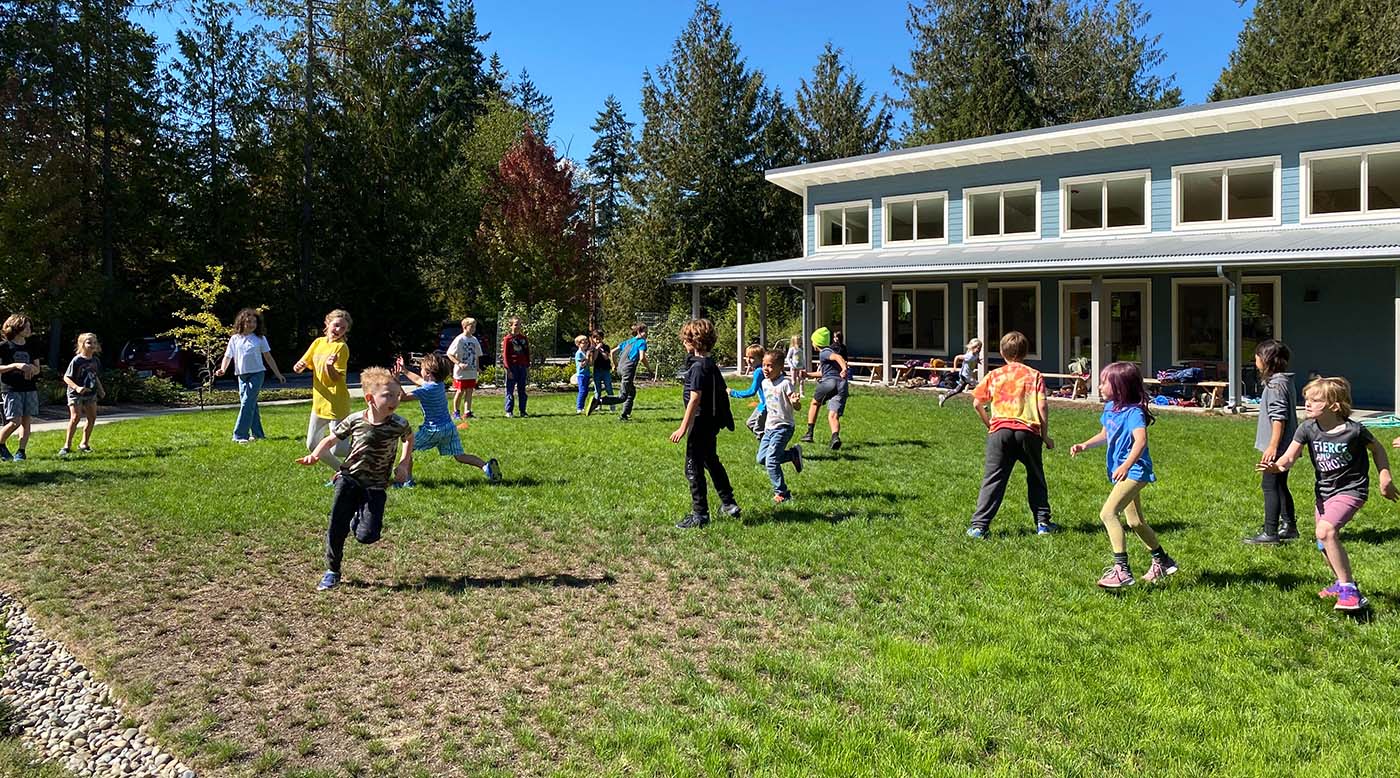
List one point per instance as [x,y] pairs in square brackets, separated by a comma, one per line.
[875,368]
[1214,394]
[904,372]
[1080,387]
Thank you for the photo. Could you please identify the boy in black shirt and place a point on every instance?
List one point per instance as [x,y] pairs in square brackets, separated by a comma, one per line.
[19,384]
[706,412]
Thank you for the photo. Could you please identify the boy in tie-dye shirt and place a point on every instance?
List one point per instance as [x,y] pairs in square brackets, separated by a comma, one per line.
[1017,429]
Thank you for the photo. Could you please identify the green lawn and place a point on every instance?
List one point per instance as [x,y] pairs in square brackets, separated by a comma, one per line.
[557,623]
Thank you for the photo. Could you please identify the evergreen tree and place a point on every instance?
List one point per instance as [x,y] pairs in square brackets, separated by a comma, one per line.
[613,164]
[1289,44]
[538,106]
[497,77]
[834,117]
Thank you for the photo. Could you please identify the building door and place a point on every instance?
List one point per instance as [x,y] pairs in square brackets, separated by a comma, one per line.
[1127,312]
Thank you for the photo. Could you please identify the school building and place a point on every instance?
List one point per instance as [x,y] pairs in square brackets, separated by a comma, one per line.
[1179,237]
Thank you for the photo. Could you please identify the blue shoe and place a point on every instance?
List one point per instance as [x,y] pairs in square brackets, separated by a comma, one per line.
[1046,528]
[492,470]
[409,484]
[328,581]
[19,456]
[5,453]
[976,532]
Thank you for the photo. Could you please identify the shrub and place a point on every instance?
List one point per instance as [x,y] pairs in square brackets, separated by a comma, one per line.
[125,386]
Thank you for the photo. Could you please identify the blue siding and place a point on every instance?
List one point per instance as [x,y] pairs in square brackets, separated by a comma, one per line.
[1286,142]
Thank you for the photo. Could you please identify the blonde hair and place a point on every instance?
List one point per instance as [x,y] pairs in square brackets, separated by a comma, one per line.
[796,340]
[78,349]
[581,341]
[975,343]
[755,351]
[469,324]
[1333,390]
[15,325]
[373,379]
[339,313]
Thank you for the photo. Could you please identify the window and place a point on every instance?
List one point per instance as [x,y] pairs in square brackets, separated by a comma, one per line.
[1243,192]
[843,224]
[1200,322]
[916,218]
[1112,203]
[1351,183]
[994,212]
[1009,307]
[919,319]
[831,308]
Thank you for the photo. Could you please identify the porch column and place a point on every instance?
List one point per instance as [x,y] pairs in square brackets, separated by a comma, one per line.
[694,301]
[1096,349]
[886,336]
[763,316]
[1397,340]
[982,328]
[739,327]
[1236,325]
[807,316]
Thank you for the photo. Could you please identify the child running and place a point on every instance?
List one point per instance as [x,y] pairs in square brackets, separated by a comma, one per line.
[967,372]
[1125,420]
[437,430]
[773,451]
[84,390]
[754,355]
[465,353]
[630,355]
[1337,446]
[1018,427]
[706,413]
[832,386]
[793,362]
[1278,422]
[19,384]
[328,357]
[358,505]
[583,371]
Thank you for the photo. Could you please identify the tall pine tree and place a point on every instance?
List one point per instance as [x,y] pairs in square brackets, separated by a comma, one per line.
[613,167]
[834,117]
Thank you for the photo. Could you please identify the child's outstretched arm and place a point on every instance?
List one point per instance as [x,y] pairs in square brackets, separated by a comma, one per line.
[690,409]
[753,387]
[404,471]
[1383,470]
[327,443]
[1099,439]
[1283,463]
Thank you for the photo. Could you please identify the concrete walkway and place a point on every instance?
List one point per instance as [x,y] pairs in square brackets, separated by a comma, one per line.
[111,413]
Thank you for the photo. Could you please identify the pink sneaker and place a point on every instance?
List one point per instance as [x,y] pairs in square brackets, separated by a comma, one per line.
[1116,577]
[1350,599]
[1331,592]
[1161,568]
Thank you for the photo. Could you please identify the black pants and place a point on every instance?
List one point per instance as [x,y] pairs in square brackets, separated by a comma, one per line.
[356,509]
[700,455]
[1005,448]
[628,376]
[1278,502]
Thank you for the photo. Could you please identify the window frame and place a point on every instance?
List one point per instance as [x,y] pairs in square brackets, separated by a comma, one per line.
[886,202]
[817,303]
[1001,236]
[1225,222]
[1305,160]
[998,285]
[1141,284]
[1104,178]
[914,306]
[843,206]
[1276,281]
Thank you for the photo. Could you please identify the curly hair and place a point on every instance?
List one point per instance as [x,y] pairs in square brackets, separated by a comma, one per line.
[700,334]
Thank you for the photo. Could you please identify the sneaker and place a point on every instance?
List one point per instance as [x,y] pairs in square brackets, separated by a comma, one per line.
[409,484]
[456,416]
[328,581]
[63,452]
[1350,599]
[624,417]
[835,442]
[1287,531]
[523,414]
[977,533]
[469,415]
[942,398]
[492,470]
[732,509]
[1116,577]
[5,453]
[509,414]
[797,463]
[593,403]
[242,441]
[1263,539]
[1332,592]
[693,521]
[20,455]
[779,499]
[1161,568]
[329,483]
[806,438]
[1046,528]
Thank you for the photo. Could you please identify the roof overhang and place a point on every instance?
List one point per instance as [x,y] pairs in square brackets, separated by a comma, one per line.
[1353,98]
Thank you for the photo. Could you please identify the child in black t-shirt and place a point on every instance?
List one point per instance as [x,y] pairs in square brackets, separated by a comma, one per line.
[706,400]
[1337,446]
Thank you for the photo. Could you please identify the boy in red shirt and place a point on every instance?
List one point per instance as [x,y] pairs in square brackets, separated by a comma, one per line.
[515,354]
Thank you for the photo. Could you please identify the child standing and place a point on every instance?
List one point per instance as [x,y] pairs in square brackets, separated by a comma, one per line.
[602,366]
[328,358]
[437,430]
[773,450]
[84,390]
[754,355]
[793,362]
[629,355]
[967,373]
[465,353]
[1018,427]
[832,386]
[1337,446]
[582,369]
[1125,419]
[706,413]
[1278,422]
[19,384]
[515,356]
[360,484]
[250,356]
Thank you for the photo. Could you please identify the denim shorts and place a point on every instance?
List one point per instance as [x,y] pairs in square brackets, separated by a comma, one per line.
[19,404]
[445,440]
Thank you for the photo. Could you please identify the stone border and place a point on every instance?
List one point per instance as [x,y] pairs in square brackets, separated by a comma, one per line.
[68,717]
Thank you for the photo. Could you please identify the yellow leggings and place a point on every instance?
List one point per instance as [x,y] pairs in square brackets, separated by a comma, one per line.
[1125,499]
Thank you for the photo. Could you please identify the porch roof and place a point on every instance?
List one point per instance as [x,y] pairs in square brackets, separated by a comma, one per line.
[1293,246]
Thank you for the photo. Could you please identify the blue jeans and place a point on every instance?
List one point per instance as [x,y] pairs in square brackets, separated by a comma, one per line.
[584,384]
[249,423]
[515,383]
[602,382]
[773,452]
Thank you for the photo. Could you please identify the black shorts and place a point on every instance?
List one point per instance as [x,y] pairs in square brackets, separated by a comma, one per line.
[832,392]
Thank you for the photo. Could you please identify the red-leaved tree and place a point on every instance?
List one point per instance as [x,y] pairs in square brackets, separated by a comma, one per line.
[532,233]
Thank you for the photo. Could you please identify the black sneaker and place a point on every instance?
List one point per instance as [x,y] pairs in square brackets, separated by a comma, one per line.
[1287,531]
[1263,539]
[624,417]
[797,458]
[732,509]
[5,453]
[693,521]
[805,438]
[835,442]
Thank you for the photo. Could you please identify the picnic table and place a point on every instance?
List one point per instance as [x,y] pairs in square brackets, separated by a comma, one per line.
[1213,394]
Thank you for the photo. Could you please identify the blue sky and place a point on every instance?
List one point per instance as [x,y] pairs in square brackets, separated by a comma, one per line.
[580,52]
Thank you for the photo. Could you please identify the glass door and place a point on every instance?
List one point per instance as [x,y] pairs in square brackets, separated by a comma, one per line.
[1126,312]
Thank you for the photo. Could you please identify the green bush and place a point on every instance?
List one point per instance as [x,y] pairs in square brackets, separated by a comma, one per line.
[125,386]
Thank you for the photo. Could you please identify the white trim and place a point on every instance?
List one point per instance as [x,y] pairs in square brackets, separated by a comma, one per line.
[806,224]
[1224,166]
[999,285]
[886,202]
[1110,285]
[1001,236]
[1276,281]
[1104,178]
[869,225]
[817,304]
[914,312]
[1305,159]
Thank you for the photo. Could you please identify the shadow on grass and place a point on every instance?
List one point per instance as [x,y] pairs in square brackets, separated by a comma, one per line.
[874,495]
[1096,528]
[16,477]
[795,515]
[1371,535]
[461,583]
[1222,579]
[903,442]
